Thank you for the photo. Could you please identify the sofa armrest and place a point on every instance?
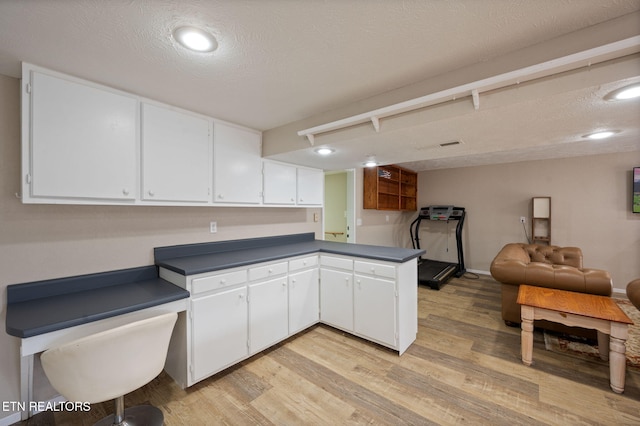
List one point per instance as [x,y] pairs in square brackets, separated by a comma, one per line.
[509,271]
[633,292]
[597,281]
[569,256]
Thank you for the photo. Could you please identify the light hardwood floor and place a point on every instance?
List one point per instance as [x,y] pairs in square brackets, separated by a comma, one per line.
[464,368]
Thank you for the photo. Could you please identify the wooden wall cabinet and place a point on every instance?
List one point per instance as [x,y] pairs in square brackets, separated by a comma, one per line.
[390,188]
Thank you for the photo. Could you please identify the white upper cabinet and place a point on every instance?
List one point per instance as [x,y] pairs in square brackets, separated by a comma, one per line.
[79,141]
[84,143]
[287,184]
[310,186]
[279,183]
[237,164]
[176,155]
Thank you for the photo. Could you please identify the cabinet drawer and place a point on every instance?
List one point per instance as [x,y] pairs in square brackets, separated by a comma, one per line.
[336,262]
[213,282]
[303,262]
[266,271]
[375,269]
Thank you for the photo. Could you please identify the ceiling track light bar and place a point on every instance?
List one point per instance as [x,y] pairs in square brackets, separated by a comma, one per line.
[544,69]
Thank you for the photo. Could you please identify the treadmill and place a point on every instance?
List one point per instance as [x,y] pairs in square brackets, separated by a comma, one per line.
[435,273]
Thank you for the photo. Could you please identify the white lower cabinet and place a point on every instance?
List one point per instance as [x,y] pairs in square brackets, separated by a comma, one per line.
[336,298]
[238,312]
[374,309]
[372,299]
[268,318]
[304,298]
[218,331]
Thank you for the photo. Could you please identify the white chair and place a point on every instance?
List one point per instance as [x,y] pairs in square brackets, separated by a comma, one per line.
[112,363]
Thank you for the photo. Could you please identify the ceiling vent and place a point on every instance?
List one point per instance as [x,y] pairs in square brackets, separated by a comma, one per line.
[448,144]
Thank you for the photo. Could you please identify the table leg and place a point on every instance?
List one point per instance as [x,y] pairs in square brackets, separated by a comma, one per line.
[26,387]
[526,315]
[617,358]
[603,346]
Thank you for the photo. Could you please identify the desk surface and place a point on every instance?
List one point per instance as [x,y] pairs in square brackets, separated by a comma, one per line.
[588,305]
[45,306]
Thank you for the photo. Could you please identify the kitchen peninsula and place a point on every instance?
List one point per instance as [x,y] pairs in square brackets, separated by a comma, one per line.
[247,295]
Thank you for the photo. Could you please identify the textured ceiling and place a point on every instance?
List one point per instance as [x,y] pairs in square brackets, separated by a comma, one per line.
[280,61]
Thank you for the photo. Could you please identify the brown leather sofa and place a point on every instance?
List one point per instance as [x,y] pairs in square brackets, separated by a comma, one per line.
[545,266]
[633,292]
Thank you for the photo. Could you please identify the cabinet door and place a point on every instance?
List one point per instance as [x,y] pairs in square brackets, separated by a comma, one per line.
[176,155]
[268,318]
[375,309]
[310,186]
[237,164]
[219,331]
[304,300]
[279,183]
[336,298]
[83,141]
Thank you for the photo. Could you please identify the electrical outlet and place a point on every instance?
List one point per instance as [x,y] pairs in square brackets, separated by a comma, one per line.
[213,227]
[523,219]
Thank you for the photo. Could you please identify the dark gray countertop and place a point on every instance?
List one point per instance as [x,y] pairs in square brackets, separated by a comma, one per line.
[207,257]
[45,306]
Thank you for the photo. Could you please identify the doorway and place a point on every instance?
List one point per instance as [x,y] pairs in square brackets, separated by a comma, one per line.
[340,206]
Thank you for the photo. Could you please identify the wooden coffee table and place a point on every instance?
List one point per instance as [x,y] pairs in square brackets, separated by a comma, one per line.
[578,310]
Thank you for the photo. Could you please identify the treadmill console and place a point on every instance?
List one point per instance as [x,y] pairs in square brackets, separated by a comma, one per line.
[441,212]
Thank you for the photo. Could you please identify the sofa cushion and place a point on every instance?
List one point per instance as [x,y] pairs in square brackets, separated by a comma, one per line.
[553,255]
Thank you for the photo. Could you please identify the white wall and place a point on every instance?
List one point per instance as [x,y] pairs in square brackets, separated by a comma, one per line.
[48,241]
[590,208]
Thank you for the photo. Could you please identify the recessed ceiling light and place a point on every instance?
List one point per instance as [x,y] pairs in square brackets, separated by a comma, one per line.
[627,92]
[370,163]
[324,151]
[195,39]
[601,135]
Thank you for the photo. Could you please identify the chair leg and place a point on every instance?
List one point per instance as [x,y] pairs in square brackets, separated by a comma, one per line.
[143,415]
[118,416]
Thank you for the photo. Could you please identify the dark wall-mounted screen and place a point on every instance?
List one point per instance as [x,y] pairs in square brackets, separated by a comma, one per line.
[636,189]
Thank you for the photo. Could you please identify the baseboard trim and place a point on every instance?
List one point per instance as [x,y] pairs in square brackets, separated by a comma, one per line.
[479,272]
[10,419]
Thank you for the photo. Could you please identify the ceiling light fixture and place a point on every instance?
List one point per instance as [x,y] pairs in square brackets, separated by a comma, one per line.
[195,39]
[370,163]
[324,151]
[601,135]
[623,93]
